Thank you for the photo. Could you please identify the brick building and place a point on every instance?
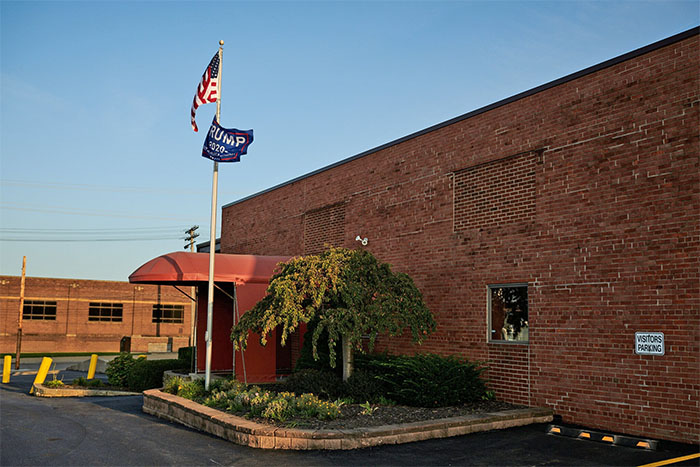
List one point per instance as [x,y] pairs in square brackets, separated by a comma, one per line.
[545,231]
[72,315]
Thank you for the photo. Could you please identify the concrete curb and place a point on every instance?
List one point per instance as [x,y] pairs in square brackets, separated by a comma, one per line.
[42,391]
[247,433]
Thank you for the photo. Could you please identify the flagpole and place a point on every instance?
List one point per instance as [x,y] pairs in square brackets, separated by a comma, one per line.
[212,235]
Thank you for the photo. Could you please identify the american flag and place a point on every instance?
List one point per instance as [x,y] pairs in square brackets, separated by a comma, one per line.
[208,88]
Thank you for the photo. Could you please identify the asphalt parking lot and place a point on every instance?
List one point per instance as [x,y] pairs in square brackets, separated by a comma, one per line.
[113,431]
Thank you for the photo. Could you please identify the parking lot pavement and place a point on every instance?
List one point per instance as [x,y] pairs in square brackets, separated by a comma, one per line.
[114,431]
[62,363]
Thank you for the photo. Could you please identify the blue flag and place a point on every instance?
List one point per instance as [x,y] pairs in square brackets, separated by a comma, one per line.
[226,145]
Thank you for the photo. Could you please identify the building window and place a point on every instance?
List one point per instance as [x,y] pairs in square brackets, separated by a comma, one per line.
[105,312]
[39,310]
[508,313]
[168,313]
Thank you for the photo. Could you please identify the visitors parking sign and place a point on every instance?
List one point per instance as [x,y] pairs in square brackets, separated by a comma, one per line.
[649,343]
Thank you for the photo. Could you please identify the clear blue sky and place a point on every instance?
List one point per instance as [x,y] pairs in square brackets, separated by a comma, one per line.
[100,170]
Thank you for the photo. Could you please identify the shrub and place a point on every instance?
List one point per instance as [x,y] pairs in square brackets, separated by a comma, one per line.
[186,355]
[119,368]
[88,383]
[364,386]
[148,374]
[324,384]
[432,381]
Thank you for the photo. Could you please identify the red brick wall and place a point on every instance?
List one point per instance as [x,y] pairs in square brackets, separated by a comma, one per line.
[595,204]
[73,332]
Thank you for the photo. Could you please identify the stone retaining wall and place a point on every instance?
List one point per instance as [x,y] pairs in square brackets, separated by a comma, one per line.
[245,432]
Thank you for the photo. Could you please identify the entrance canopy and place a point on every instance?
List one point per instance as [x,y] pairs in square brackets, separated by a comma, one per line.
[183,268]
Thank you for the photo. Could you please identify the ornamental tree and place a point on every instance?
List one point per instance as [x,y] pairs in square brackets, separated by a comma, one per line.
[349,292]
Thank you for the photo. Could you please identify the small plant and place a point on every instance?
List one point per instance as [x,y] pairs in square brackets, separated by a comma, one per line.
[343,401]
[193,390]
[217,400]
[367,408]
[173,385]
[56,383]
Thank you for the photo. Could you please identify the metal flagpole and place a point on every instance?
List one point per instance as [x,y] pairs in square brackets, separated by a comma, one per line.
[212,235]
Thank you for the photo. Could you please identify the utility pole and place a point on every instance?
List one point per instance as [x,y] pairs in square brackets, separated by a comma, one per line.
[21,311]
[191,235]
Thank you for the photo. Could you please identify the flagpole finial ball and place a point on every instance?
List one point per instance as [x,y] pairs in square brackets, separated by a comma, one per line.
[221,42]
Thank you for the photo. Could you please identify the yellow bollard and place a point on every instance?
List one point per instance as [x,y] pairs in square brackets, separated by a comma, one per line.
[93,366]
[6,369]
[43,371]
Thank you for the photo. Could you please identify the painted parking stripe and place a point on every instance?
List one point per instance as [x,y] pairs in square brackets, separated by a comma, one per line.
[672,461]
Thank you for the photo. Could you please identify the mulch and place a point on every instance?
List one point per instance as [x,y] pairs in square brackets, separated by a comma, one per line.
[353,417]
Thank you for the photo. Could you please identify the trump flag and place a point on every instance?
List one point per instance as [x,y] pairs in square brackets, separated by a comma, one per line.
[226,145]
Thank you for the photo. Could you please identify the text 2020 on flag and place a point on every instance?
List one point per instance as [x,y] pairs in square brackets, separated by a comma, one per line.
[226,144]
[207,91]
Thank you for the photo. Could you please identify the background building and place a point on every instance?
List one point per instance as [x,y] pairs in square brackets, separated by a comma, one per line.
[72,315]
[545,231]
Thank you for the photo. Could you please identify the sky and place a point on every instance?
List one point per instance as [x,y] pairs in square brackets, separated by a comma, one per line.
[100,170]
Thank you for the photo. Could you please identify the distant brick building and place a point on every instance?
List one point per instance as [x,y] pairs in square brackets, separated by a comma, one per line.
[545,231]
[73,315]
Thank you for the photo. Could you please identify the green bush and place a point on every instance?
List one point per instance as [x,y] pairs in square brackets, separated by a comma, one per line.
[431,380]
[87,383]
[148,374]
[363,386]
[186,354]
[119,368]
[324,384]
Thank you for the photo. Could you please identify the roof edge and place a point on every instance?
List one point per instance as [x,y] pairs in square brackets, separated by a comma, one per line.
[543,87]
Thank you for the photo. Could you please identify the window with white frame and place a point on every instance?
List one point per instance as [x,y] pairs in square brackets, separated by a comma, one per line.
[508,308]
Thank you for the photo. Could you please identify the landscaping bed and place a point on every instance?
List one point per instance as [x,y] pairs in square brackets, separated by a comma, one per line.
[249,432]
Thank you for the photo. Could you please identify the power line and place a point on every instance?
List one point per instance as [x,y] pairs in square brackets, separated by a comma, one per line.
[77,231]
[85,240]
[76,212]
[87,187]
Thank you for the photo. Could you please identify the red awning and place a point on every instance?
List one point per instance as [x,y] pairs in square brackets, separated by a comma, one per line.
[190,268]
